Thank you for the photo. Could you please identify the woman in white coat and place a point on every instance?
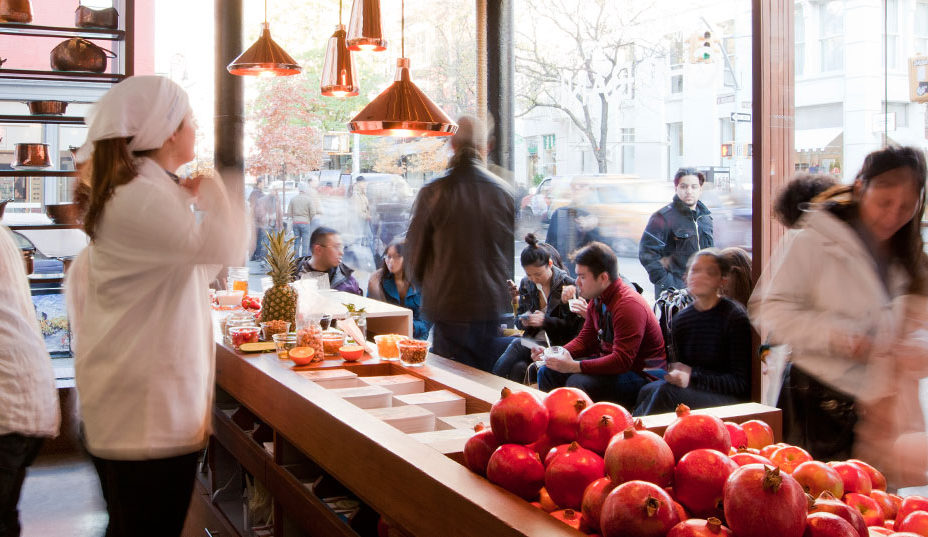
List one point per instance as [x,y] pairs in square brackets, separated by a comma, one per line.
[138,297]
[829,291]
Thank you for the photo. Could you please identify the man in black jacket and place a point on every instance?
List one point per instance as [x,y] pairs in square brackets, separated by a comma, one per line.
[460,253]
[676,232]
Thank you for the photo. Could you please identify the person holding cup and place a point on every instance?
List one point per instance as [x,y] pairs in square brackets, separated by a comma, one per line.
[541,313]
[620,346]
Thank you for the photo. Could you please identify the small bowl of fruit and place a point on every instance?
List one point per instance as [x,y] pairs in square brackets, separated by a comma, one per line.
[243,334]
[351,353]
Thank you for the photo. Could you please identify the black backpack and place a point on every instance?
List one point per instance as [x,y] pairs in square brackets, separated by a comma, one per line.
[666,306]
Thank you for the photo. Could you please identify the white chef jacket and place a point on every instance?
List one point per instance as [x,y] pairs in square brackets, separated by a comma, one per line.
[145,353]
[28,397]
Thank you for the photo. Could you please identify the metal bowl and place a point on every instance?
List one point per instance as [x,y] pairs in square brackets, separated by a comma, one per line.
[63,213]
[47,108]
[31,156]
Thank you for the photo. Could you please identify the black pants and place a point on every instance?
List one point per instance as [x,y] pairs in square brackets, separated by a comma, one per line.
[149,497]
[816,417]
[16,453]
[477,344]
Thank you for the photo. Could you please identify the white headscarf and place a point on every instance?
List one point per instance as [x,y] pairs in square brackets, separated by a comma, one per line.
[146,108]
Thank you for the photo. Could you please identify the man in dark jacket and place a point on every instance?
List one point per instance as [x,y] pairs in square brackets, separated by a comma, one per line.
[326,258]
[676,232]
[460,253]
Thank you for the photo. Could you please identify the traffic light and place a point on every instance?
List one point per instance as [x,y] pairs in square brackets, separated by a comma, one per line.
[705,51]
[728,150]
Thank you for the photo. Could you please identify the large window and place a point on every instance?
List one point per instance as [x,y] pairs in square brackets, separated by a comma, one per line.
[920,34]
[800,32]
[831,35]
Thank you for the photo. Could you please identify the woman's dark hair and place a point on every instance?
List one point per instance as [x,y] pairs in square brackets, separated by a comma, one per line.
[740,283]
[802,189]
[906,245]
[713,253]
[398,244]
[539,253]
[110,166]
[599,258]
[683,172]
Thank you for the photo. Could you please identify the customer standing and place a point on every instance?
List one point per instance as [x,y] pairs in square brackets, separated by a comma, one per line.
[303,208]
[676,232]
[268,219]
[144,350]
[459,253]
[828,292]
[27,384]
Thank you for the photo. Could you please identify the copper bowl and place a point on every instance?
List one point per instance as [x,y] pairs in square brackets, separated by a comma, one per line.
[31,156]
[63,213]
[47,108]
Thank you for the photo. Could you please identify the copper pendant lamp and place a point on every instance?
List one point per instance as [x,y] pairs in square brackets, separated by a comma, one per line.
[364,29]
[264,58]
[402,109]
[339,78]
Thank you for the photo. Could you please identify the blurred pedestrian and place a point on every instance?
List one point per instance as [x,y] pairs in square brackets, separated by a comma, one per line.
[676,232]
[458,253]
[828,290]
[572,227]
[143,335]
[268,218]
[27,384]
[301,211]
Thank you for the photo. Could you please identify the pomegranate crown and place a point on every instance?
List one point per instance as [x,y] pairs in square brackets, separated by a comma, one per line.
[574,446]
[628,433]
[639,425]
[772,479]
[651,505]
[479,427]
[505,393]
[714,525]
[682,410]
[570,514]
[605,420]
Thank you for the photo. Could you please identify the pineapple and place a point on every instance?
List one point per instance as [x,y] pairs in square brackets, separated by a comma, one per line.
[279,302]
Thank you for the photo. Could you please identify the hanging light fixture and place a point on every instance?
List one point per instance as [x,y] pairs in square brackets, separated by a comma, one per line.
[264,58]
[402,109]
[339,78]
[364,29]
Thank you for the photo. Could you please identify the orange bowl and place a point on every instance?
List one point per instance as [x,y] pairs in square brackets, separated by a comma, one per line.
[351,353]
[302,355]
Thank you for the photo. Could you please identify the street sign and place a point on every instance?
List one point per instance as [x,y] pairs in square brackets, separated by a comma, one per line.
[741,116]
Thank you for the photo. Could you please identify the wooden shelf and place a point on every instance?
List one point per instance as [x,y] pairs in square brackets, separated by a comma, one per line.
[58,120]
[38,173]
[83,76]
[33,30]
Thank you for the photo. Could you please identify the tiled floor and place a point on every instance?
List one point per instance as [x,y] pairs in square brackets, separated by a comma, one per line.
[61,497]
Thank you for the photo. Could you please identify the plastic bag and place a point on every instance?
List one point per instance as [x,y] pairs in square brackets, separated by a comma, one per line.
[311,304]
[773,370]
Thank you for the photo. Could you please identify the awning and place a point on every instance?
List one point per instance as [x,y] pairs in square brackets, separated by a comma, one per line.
[910,137]
[816,139]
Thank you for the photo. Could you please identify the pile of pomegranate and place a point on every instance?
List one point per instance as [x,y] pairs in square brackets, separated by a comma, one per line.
[594,468]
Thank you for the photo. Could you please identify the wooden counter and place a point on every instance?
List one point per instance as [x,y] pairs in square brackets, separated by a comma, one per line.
[414,482]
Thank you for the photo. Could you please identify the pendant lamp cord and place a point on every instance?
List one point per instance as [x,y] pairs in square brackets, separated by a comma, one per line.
[339,12]
[265,11]
[402,28]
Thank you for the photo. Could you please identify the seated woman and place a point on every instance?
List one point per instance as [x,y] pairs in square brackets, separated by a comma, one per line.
[540,310]
[740,282]
[712,340]
[389,284]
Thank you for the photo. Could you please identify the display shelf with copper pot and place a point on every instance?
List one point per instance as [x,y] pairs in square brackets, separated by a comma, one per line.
[34,30]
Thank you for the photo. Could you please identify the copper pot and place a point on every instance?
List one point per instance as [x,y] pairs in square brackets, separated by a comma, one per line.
[63,213]
[3,206]
[79,54]
[29,260]
[85,17]
[15,11]
[31,156]
[47,108]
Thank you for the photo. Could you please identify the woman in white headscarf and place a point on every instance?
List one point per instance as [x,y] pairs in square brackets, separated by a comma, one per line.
[137,295]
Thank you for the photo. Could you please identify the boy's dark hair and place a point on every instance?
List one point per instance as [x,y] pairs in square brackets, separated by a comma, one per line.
[788,207]
[599,258]
[319,234]
[683,172]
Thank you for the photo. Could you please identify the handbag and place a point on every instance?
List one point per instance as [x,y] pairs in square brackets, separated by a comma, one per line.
[79,54]
[86,17]
[817,416]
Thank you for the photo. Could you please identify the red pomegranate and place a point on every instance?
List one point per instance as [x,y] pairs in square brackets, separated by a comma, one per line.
[877,479]
[743,457]
[826,503]
[569,474]
[698,481]
[695,431]
[763,502]
[569,517]
[816,477]
[869,509]
[638,509]
[564,407]
[739,439]
[770,449]
[697,527]
[909,505]
[789,457]
[554,452]
[828,525]
[518,418]
[593,498]
[886,503]
[639,455]
[478,448]
[916,522]
[517,469]
[542,446]
[681,511]
[855,479]
[599,423]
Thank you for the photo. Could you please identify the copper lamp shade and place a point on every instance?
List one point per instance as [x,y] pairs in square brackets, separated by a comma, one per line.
[402,110]
[364,30]
[264,58]
[339,78]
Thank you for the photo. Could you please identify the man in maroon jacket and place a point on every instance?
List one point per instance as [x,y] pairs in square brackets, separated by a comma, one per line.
[620,348]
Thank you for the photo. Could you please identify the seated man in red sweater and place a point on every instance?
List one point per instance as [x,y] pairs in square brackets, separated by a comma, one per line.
[620,347]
